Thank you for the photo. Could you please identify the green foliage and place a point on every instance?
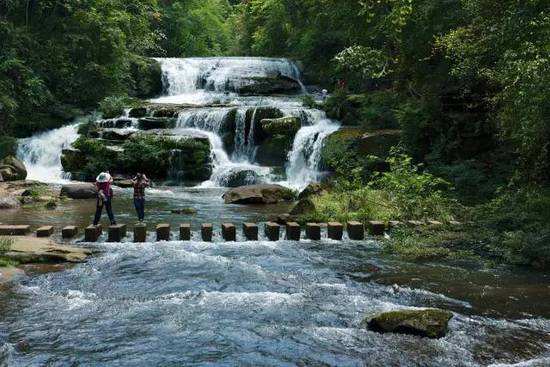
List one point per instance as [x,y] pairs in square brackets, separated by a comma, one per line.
[309,102]
[8,146]
[114,106]
[5,244]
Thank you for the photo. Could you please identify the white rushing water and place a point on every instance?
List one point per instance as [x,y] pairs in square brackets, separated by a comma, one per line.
[42,153]
[213,80]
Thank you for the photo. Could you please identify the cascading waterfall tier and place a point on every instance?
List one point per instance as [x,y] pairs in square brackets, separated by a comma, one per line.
[41,153]
[207,81]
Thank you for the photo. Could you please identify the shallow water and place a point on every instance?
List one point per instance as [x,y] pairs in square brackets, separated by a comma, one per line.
[258,303]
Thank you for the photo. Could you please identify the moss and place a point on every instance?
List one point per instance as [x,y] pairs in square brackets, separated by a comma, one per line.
[283,126]
[431,323]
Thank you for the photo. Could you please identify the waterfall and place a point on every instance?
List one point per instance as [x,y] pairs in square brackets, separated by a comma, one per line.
[42,153]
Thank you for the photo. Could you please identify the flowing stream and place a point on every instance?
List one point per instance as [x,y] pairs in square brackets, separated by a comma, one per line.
[244,303]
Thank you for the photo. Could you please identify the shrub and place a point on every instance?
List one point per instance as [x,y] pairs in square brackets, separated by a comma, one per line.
[8,146]
[114,106]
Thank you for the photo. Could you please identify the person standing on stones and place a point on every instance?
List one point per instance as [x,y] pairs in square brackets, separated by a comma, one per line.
[140,183]
[103,184]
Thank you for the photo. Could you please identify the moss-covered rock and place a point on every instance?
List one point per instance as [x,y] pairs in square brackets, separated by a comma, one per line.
[256,115]
[258,194]
[137,112]
[281,126]
[266,85]
[274,150]
[303,207]
[150,123]
[431,323]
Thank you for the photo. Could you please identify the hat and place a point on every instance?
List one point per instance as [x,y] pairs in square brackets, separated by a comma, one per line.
[103,177]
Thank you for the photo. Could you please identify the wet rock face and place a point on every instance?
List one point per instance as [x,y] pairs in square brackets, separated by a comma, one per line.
[430,323]
[242,178]
[79,191]
[12,169]
[258,194]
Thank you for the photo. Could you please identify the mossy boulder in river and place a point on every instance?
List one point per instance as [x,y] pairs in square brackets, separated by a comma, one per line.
[431,323]
[275,138]
[258,194]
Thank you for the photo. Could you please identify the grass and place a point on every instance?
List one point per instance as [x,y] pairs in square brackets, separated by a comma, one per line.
[5,246]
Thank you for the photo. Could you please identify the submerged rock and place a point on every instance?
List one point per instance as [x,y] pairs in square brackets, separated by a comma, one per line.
[258,194]
[431,323]
[12,169]
[79,191]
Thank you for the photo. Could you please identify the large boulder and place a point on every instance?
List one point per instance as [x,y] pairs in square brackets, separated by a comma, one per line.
[241,178]
[266,85]
[281,126]
[258,194]
[138,112]
[274,151]
[29,249]
[431,323]
[79,191]
[12,169]
[147,77]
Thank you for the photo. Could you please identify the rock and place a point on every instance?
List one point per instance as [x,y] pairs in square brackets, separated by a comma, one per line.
[150,123]
[147,74]
[258,194]
[378,142]
[72,160]
[431,323]
[116,134]
[79,191]
[123,183]
[9,202]
[12,169]
[26,249]
[266,85]
[311,190]
[119,123]
[186,211]
[274,151]
[138,112]
[241,178]
[281,126]
[166,112]
[304,206]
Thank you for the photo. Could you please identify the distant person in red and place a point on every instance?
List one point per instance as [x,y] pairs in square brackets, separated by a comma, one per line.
[140,183]
[103,183]
[341,84]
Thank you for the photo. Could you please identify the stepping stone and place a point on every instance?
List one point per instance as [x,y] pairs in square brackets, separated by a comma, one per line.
[250,231]
[69,232]
[92,233]
[272,231]
[376,228]
[163,232]
[356,231]
[229,232]
[116,233]
[14,230]
[313,231]
[44,231]
[206,232]
[185,232]
[140,233]
[293,231]
[335,231]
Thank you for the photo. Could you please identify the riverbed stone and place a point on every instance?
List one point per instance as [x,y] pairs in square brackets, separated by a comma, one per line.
[12,169]
[163,232]
[140,233]
[250,231]
[14,229]
[27,249]
[69,232]
[258,194]
[293,231]
[335,231]
[430,323]
[356,230]
[229,232]
[79,191]
[376,228]
[207,231]
[185,232]
[44,231]
[313,231]
[272,231]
